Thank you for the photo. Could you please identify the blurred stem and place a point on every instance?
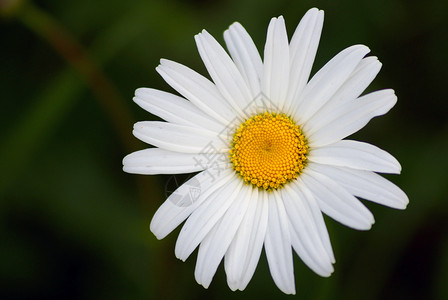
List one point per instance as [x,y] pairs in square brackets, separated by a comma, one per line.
[46,112]
[66,45]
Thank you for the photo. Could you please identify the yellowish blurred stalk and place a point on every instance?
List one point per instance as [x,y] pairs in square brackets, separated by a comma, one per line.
[50,30]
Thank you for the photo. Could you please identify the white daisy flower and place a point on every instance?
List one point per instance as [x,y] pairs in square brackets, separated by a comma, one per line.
[270,149]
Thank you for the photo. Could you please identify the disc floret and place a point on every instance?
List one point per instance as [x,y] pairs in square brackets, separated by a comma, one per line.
[268,150]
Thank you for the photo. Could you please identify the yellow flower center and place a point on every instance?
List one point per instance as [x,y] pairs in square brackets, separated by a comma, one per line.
[268,150]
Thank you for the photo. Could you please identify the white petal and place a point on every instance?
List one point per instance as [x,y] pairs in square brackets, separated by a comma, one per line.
[336,202]
[356,155]
[205,217]
[305,235]
[198,89]
[327,81]
[183,201]
[174,109]
[352,88]
[278,245]
[358,81]
[366,184]
[333,125]
[276,64]
[303,48]
[216,243]
[244,252]
[245,55]
[179,138]
[318,218]
[223,72]
[158,161]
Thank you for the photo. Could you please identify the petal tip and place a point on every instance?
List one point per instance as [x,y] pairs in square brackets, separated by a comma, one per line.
[233,284]
[179,255]
[163,61]
[141,90]
[235,24]
[404,201]
[155,229]
[289,291]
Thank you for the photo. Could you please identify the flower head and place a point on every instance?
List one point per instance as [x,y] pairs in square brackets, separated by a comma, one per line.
[269,145]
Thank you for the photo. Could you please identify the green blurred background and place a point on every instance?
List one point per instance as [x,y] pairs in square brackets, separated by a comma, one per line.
[74,226]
